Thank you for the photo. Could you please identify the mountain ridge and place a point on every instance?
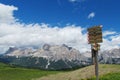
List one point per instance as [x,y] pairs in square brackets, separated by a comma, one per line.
[56,57]
[51,57]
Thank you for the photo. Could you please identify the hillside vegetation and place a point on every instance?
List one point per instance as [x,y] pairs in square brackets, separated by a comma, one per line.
[107,72]
[109,76]
[13,73]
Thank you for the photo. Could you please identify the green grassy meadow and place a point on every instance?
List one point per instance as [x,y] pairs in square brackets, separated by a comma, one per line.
[13,73]
[109,76]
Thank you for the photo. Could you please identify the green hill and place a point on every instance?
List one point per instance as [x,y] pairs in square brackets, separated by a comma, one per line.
[107,72]
[13,73]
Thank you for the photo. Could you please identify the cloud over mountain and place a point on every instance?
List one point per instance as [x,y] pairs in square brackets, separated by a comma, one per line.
[36,35]
[14,33]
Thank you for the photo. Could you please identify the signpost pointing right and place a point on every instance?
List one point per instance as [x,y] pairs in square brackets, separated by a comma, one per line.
[95,37]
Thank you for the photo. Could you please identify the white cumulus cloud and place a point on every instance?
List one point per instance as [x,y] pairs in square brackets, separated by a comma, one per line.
[112,41]
[106,33]
[38,34]
[6,13]
[35,35]
[91,15]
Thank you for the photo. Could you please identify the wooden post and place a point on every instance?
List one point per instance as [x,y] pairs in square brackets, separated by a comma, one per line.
[94,52]
[96,65]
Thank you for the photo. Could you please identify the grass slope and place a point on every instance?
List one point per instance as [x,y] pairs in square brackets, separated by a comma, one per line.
[10,73]
[109,76]
[106,72]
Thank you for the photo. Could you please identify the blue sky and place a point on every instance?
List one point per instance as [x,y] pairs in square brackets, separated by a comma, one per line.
[31,23]
[62,12]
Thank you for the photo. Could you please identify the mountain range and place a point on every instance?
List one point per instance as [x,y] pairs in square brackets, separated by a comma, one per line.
[50,57]
[56,57]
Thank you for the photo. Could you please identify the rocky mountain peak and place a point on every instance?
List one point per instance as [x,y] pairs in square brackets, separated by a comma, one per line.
[11,49]
[46,47]
[53,52]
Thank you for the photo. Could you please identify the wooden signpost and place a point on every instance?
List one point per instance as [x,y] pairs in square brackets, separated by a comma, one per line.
[95,37]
